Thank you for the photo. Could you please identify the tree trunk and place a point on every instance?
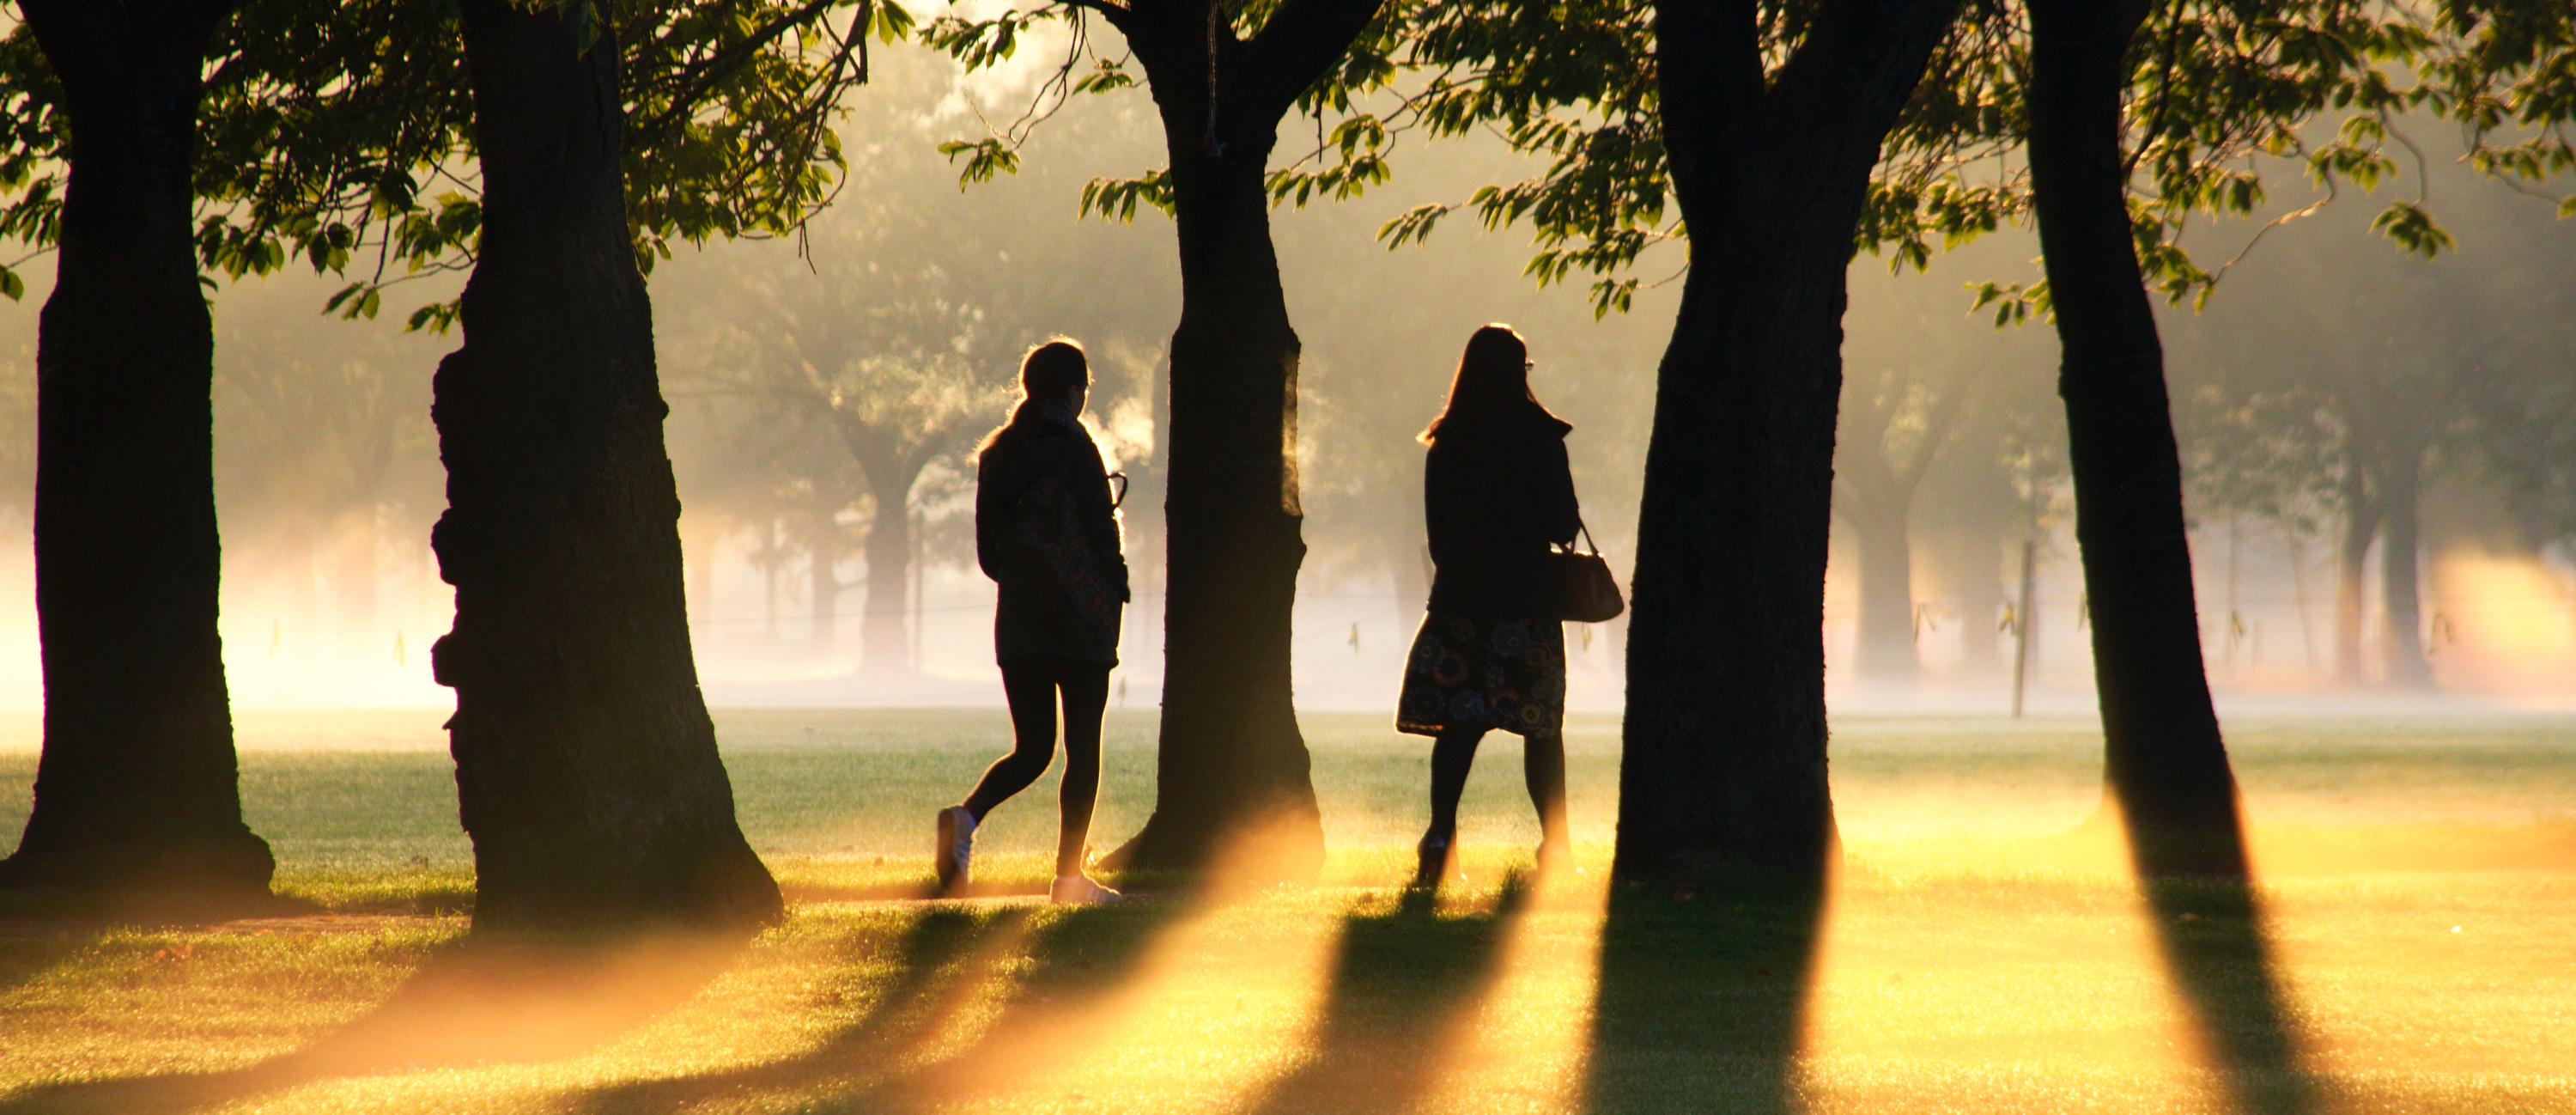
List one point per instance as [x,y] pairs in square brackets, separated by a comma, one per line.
[884,646]
[586,765]
[822,586]
[2360,525]
[1232,762]
[137,790]
[2399,581]
[699,554]
[1887,651]
[1724,764]
[2165,761]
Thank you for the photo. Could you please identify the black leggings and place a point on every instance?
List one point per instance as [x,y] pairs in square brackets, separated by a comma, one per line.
[1031,684]
[1453,753]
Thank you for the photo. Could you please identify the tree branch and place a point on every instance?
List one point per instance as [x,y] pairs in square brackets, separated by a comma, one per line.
[694,82]
[1296,46]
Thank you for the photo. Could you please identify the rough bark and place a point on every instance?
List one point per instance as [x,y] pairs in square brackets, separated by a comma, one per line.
[2165,762]
[2400,544]
[137,790]
[1232,761]
[586,765]
[1724,767]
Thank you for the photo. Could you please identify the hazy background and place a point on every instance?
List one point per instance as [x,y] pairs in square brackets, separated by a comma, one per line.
[900,326]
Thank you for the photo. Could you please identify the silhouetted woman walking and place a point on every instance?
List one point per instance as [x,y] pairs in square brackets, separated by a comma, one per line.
[1046,532]
[1491,654]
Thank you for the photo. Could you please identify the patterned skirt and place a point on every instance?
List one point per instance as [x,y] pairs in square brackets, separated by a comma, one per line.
[1484,673]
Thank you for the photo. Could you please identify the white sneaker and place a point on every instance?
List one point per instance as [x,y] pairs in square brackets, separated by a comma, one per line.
[1080,890]
[955,847]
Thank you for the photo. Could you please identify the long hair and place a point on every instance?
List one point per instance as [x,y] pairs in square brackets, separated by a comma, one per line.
[1050,369]
[1491,388]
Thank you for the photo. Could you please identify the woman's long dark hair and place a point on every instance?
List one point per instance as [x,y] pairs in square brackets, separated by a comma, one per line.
[1491,389]
[1054,367]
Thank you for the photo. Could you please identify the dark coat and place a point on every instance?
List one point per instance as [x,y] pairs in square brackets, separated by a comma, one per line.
[1494,498]
[1032,614]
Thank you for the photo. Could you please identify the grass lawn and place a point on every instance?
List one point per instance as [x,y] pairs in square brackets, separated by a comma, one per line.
[2411,948]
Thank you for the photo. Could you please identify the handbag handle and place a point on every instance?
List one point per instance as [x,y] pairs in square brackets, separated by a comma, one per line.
[1585,532]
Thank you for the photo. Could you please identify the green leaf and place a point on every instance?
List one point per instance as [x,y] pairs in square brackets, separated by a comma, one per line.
[585,27]
[11,285]
[2413,229]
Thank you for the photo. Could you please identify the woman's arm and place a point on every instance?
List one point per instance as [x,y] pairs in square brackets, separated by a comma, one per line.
[988,510]
[1558,516]
[1087,475]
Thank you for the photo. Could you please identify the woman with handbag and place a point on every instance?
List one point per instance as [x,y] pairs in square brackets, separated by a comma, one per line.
[1497,494]
[1046,532]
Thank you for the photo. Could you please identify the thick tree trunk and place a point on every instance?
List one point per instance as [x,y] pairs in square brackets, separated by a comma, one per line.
[136,790]
[586,765]
[1724,767]
[884,645]
[1232,756]
[2360,525]
[1232,763]
[2165,762]
[2399,580]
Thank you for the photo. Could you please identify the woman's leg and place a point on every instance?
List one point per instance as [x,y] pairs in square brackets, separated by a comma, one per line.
[1543,765]
[1029,685]
[1453,753]
[1086,695]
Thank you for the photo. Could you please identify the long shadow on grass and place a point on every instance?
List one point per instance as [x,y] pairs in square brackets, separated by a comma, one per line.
[1404,988]
[887,1059]
[2218,949]
[1701,998]
[476,1002]
[26,955]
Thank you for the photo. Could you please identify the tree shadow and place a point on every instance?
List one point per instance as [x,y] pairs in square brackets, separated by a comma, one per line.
[2217,946]
[911,890]
[27,953]
[480,1001]
[951,960]
[1404,988]
[1701,998]
[2210,928]
[942,959]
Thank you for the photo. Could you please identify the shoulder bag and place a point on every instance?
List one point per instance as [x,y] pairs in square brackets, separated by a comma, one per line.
[1586,593]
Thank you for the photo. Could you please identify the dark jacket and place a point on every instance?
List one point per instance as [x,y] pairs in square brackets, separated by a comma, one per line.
[1494,498]
[1032,614]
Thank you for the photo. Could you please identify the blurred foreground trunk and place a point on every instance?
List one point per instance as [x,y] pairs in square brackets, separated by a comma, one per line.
[137,792]
[586,765]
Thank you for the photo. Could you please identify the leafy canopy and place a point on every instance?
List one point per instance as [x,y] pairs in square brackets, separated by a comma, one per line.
[342,134]
[2220,92]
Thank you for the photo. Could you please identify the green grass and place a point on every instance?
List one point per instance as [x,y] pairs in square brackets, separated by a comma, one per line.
[1980,951]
